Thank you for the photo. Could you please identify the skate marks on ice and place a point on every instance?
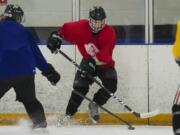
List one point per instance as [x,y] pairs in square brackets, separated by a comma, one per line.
[89,130]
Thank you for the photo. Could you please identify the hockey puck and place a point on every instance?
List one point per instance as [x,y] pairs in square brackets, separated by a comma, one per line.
[131,128]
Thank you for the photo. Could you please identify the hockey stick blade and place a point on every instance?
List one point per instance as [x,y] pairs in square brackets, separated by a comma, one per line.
[149,114]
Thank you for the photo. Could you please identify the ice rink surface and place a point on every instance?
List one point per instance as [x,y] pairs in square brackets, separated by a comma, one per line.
[90,130]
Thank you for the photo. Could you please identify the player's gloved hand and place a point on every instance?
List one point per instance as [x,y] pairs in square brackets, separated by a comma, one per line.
[177,61]
[51,74]
[89,67]
[54,42]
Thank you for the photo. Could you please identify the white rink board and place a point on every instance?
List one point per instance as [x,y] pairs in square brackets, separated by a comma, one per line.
[136,80]
[164,77]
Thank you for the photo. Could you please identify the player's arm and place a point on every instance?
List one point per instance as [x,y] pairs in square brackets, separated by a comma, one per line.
[105,54]
[56,38]
[41,63]
[47,69]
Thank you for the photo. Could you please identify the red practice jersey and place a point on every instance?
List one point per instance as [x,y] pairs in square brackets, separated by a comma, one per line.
[100,45]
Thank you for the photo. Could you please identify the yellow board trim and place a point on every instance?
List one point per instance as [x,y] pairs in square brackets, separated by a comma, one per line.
[83,119]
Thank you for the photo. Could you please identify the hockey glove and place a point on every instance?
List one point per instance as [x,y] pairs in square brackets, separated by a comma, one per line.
[54,42]
[88,67]
[52,75]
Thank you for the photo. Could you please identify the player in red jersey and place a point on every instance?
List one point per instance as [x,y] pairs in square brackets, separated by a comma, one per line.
[95,41]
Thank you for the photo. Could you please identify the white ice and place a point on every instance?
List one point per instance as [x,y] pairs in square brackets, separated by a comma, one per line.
[90,130]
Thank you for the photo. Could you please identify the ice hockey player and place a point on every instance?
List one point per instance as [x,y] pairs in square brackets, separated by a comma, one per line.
[19,56]
[95,41]
[176,103]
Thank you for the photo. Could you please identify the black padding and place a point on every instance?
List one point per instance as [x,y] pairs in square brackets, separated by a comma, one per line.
[176,117]
[81,82]
[25,89]
[75,101]
[107,73]
[102,96]
[36,113]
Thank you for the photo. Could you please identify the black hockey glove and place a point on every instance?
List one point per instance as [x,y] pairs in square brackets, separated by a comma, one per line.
[54,42]
[88,67]
[52,75]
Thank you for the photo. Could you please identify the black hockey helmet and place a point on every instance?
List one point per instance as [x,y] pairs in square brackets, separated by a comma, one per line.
[97,17]
[97,13]
[15,12]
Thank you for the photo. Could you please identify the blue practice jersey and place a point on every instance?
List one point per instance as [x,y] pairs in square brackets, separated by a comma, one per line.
[19,53]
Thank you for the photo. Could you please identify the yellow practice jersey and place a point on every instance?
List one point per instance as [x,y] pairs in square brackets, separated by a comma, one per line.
[176,46]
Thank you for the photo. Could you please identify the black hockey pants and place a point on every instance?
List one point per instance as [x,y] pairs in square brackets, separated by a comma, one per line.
[25,92]
[108,76]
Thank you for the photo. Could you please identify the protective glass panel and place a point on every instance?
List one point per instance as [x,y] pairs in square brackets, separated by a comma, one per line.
[44,16]
[166,15]
[126,16]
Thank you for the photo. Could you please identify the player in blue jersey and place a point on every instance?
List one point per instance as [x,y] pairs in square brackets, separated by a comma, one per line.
[19,56]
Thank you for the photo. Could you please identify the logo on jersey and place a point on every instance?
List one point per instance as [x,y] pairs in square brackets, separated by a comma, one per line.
[34,70]
[91,49]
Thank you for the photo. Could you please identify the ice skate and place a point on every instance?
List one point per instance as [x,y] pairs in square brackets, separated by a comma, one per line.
[40,131]
[94,113]
[64,121]
[39,128]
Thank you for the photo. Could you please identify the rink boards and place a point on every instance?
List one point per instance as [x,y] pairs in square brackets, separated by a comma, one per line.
[148,78]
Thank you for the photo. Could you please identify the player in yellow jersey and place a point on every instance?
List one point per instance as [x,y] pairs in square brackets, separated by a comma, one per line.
[176,47]
[176,104]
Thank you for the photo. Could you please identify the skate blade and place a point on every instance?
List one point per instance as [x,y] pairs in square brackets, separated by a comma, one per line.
[40,131]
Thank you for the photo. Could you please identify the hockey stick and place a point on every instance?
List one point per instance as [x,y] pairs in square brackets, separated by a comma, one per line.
[139,115]
[130,127]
